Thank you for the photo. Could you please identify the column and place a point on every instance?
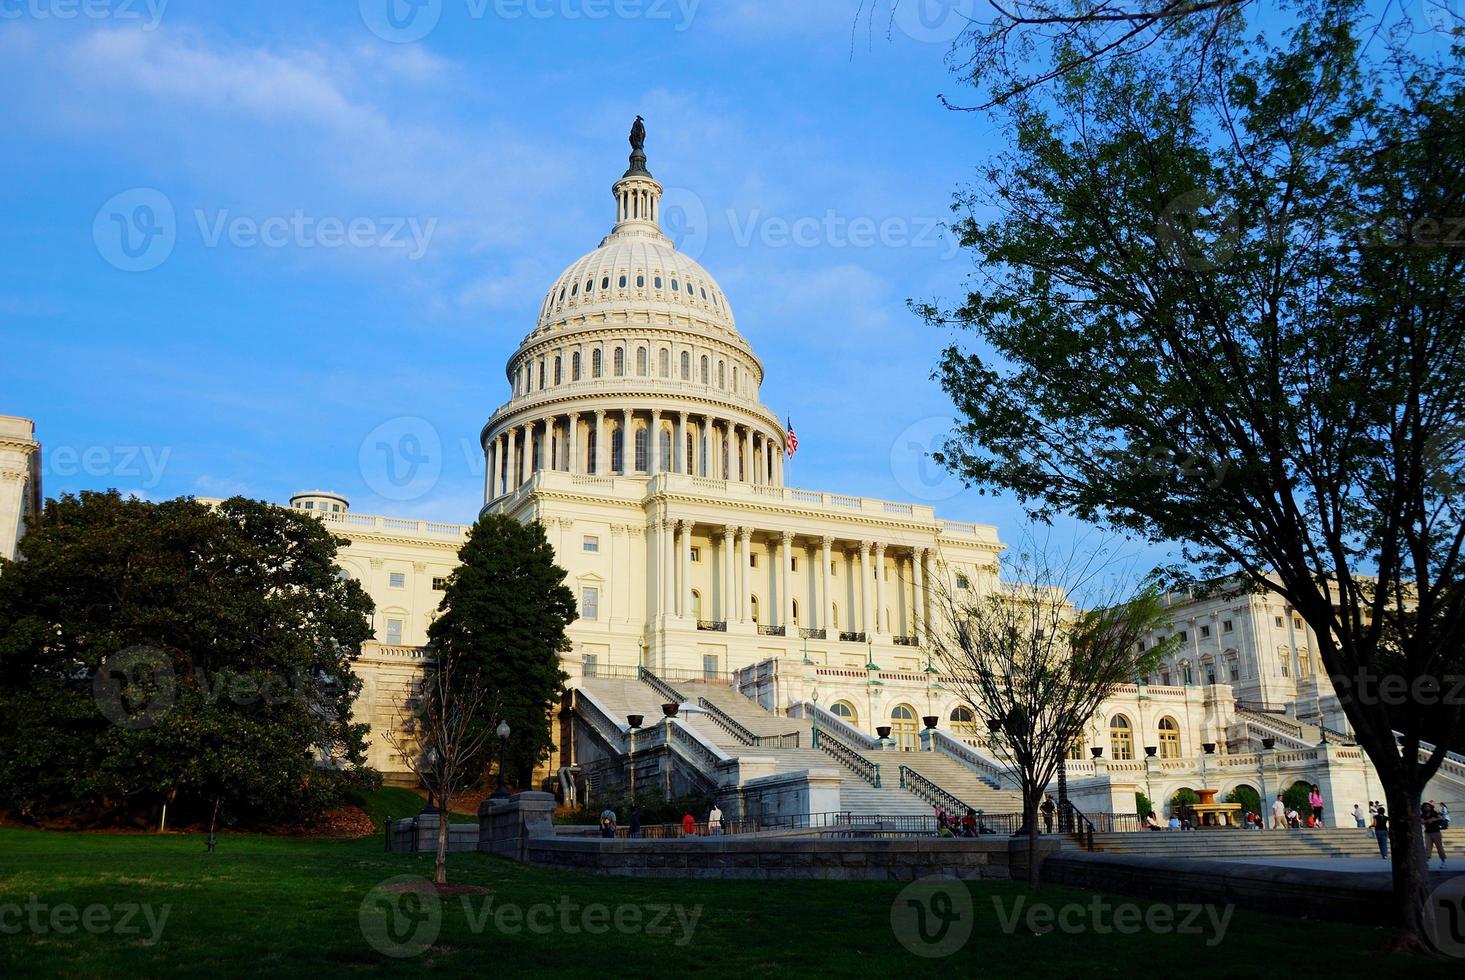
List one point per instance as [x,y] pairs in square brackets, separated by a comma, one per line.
[745,583]
[865,588]
[490,457]
[778,464]
[686,562]
[918,601]
[923,574]
[574,442]
[628,443]
[747,454]
[786,561]
[669,529]
[653,438]
[601,450]
[879,589]
[727,573]
[827,595]
[679,450]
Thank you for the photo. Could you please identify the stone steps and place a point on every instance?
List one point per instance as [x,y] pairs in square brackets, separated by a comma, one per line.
[1201,844]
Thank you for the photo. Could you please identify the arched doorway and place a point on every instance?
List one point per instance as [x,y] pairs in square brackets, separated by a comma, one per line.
[903,727]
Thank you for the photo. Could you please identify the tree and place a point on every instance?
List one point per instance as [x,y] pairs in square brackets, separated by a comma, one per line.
[1024,657]
[443,736]
[503,616]
[178,654]
[1247,338]
[1248,798]
[1182,800]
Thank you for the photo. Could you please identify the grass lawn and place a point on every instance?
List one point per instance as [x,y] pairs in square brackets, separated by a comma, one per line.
[293,907]
[395,802]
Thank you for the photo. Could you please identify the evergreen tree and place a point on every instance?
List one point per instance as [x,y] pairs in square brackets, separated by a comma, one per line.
[503,617]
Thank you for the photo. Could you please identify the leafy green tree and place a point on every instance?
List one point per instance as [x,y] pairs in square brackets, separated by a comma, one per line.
[504,613]
[1142,805]
[1221,310]
[175,653]
[1247,797]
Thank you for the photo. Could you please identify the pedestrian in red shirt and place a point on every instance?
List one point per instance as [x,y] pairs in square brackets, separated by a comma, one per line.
[689,825]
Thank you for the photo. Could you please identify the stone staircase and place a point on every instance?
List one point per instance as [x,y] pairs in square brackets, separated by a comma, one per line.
[1332,842]
[953,776]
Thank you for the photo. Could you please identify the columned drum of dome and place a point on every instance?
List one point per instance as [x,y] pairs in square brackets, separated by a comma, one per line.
[635,367]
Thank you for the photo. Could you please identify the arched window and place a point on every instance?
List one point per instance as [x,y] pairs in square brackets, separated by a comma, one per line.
[590,454]
[641,464]
[665,363]
[617,450]
[696,605]
[1121,739]
[666,460]
[796,612]
[903,727]
[1076,747]
[834,614]
[622,281]
[722,374]
[1169,739]
[963,722]
[641,362]
[686,366]
[691,441]
[620,362]
[753,604]
[559,370]
[846,711]
[541,374]
[596,368]
[706,369]
[1208,670]
[575,366]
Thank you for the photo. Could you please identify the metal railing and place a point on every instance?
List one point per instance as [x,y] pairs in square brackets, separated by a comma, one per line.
[906,641]
[853,637]
[931,792]
[728,723]
[1079,825]
[660,686]
[813,634]
[712,625]
[862,767]
[772,631]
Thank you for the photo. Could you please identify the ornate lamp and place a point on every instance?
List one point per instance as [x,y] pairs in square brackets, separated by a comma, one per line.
[502,793]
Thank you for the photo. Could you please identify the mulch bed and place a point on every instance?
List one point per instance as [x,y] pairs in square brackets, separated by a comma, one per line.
[424,886]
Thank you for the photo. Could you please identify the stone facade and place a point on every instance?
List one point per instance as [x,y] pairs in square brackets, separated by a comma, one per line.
[20,480]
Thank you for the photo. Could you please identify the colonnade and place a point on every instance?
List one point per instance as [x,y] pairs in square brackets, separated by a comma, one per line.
[606,442]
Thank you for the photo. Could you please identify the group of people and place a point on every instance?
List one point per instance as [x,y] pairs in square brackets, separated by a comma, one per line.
[966,825]
[1286,817]
[1434,819]
[609,825]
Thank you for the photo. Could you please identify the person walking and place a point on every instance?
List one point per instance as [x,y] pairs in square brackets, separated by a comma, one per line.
[714,821]
[1358,817]
[1048,807]
[607,823]
[689,825]
[1279,814]
[1373,809]
[1430,817]
[1315,800]
[1381,831]
[969,823]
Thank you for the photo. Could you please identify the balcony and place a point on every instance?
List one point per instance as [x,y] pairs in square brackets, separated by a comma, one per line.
[772,631]
[813,634]
[712,625]
[853,637]
[906,641]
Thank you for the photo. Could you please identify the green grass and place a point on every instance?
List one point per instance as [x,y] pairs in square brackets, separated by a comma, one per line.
[291,907]
[395,802]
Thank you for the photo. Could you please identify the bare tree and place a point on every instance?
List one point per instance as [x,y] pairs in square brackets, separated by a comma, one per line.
[443,736]
[1026,658]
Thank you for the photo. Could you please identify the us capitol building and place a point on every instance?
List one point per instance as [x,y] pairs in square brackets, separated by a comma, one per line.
[634,431]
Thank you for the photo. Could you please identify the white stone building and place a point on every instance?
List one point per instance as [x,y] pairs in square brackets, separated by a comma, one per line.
[20,479]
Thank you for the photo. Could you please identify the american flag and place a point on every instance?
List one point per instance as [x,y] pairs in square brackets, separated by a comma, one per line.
[793,440]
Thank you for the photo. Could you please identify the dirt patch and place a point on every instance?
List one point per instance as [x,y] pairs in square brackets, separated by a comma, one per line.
[424,887]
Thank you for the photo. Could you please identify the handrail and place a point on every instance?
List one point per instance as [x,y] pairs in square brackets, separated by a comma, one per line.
[660,686]
[832,722]
[929,791]
[862,767]
[987,770]
[728,723]
[1086,826]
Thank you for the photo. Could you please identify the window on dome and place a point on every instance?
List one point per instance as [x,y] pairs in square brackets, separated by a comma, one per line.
[641,361]
[722,374]
[562,294]
[686,366]
[575,290]
[575,366]
[589,286]
[665,363]
[541,374]
[704,294]
[623,282]
[595,365]
[656,282]
[675,286]
[640,282]
[706,369]
[620,362]
[690,452]
[641,464]
[591,455]
[605,283]
[559,374]
[666,460]
[617,450]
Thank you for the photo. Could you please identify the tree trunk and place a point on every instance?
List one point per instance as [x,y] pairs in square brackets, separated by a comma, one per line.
[1411,882]
[1030,818]
[440,867]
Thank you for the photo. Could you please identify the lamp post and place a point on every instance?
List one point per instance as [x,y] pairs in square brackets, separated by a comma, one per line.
[1063,736]
[634,724]
[814,716]
[502,793]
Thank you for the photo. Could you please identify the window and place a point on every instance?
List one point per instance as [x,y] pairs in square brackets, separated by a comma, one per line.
[617,450]
[1169,739]
[696,554]
[641,368]
[963,722]
[752,559]
[796,612]
[641,464]
[394,632]
[1286,664]
[903,727]
[656,282]
[1121,739]
[589,603]
[439,584]
[834,614]
[1205,631]
[310,505]
[696,604]
[753,602]
[1209,667]
[1227,626]
[1234,670]
[397,580]
[575,366]
[622,281]
[962,582]
[1186,676]
[665,363]
[589,664]
[721,374]
[666,460]
[620,362]
[1076,747]
[595,364]
[1278,621]
[1184,636]
[559,372]
[641,282]
[709,666]
[590,453]
[705,369]
[686,366]
[1141,646]
[591,543]
[1165,677]
[844,710]
[541,374]
[1297,622]
[794,563]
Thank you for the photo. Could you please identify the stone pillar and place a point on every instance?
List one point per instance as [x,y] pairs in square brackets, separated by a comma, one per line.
[602,450]
[748,455]
[827,594]
[655,596]
[574,466]
[628,444]
[786,561]
[653,439]
[918,604]
[879,589]
[669,558]
[865,587]
[744,583]
[679,451]
[495,470]
[778,459]
[686,562]
[728,589]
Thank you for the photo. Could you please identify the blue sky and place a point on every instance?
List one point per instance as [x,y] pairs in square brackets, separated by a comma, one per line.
[252,350]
